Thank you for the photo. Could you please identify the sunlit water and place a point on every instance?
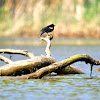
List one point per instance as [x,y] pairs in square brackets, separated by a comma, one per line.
[67,87]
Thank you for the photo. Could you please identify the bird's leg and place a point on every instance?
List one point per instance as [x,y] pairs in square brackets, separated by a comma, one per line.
[48,34]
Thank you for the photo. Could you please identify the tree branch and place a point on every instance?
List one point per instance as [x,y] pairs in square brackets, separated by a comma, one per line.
[62,64]
[22,52]
[47,39]
[25,66]
[6,60]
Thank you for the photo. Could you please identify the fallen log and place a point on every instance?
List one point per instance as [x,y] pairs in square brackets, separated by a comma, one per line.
[58,65]
[39,66]
[25,66]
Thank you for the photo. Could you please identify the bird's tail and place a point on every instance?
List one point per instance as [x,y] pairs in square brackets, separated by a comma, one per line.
[41,34]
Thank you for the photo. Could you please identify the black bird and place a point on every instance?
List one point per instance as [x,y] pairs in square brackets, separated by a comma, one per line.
[47,29]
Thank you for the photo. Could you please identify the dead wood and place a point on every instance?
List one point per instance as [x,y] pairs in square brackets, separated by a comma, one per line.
[26,66]
[47,39]
[39,66]
[6,60]
[22,52]
[58,65]
[68,70]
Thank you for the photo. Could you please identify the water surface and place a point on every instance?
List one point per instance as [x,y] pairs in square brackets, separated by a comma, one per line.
[66,87]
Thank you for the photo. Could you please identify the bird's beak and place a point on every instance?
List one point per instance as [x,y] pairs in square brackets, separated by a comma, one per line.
[54,25]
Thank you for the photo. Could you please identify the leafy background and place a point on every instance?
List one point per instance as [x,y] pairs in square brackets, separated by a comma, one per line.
[73,18]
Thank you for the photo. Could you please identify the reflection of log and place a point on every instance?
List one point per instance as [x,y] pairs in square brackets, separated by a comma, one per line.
[38,66]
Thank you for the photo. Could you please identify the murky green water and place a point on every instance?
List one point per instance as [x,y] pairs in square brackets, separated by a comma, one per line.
[67,87]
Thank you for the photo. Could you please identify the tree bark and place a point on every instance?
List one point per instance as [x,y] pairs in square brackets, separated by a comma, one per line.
[25,66]
[68,70]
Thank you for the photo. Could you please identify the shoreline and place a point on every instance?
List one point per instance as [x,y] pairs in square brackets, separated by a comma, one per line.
[55,41]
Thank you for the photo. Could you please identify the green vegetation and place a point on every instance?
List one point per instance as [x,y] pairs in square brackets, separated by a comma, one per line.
[91,10]
[74,18]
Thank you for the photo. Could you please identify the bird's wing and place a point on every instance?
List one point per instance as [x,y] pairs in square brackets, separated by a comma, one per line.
[41,34]
[43,29]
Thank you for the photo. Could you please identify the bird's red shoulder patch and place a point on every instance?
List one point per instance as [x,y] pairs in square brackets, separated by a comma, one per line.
[51,27]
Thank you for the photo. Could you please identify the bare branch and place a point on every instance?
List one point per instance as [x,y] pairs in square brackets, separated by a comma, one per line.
[47,39]
[22,52]
[6,60]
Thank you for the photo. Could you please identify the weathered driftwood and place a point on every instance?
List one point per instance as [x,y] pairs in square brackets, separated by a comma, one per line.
[47,40]
[58,65]
[22,52]
[25,66]
[6,60]
[38,66]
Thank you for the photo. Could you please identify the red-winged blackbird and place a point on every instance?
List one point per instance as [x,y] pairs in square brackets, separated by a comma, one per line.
[47,29]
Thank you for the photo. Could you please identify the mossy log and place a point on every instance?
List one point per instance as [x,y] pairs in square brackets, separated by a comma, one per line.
[68,70]
[38,66]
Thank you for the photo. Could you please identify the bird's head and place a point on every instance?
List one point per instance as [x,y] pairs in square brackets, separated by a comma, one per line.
[53,25]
